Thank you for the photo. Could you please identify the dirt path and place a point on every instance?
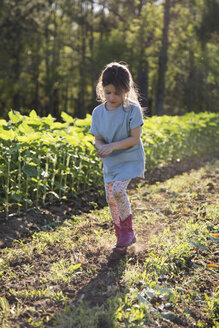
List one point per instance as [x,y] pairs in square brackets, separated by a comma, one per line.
[40,277]
[20,226]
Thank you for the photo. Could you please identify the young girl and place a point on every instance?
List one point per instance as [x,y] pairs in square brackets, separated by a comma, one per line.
[116,125]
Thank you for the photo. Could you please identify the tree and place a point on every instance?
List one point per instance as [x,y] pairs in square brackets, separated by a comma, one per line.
[209,26]
[19,20]
[52,52]
[162,66]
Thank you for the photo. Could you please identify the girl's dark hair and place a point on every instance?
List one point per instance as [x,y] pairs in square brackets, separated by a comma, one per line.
[118,75]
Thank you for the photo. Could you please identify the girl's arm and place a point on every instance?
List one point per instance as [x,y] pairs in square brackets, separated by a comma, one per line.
[99,142]
[106,149]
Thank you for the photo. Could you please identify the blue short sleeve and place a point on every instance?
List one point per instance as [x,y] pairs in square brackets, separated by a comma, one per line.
[93,129]
[136,118]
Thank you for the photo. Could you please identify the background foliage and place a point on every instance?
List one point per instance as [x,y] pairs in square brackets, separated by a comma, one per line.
[52,52]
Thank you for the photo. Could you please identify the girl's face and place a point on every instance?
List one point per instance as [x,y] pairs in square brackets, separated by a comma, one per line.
[113,99]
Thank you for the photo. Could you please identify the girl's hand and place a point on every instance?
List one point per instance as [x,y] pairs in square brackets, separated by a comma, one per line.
[105,150]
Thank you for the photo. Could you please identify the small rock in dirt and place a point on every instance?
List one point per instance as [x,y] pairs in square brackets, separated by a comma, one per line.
[163,277]
[168,306]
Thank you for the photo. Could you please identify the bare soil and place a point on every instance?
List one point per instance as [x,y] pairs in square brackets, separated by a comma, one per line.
[105,280]
[36,219]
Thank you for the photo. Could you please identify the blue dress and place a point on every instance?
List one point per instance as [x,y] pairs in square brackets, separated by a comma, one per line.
[115,125]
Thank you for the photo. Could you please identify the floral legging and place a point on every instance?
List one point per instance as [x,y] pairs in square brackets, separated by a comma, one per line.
[117,200]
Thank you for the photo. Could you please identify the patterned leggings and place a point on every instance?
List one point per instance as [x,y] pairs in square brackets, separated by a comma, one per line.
[117,200]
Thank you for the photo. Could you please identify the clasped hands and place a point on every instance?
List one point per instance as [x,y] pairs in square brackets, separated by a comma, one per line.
[105,150]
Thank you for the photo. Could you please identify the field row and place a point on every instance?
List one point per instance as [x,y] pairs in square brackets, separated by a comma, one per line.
[42,160]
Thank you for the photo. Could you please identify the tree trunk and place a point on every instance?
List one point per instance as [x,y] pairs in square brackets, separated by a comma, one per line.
[160,92]
[143,82]
[52,63]
[48,86]
[16,68]
[93,68]
[191,90]
[35,102]
[80,111]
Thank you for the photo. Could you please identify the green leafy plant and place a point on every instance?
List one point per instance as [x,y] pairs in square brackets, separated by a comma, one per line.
[42,160]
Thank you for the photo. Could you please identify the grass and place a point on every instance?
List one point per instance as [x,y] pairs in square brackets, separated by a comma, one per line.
[66,277]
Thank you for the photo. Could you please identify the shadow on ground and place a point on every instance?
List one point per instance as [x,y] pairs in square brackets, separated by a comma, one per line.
[106,285]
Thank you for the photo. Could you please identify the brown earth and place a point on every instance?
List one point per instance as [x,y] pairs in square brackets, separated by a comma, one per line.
[104,281]
[17,227]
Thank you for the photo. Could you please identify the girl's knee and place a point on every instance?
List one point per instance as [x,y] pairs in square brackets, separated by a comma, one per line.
[118,192]
[110,199]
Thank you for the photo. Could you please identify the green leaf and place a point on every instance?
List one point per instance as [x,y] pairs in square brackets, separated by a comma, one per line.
[164,290]
[142,299]
[30,171]
[33,114]
[67,118]
[214,239]
[198,245]
[15,116]
[53,193]
[16,196]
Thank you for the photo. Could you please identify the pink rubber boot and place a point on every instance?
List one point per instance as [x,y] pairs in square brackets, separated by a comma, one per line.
[118,249]
[127,235]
